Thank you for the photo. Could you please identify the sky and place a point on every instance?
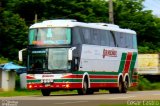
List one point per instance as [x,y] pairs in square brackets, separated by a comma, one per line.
[153,5]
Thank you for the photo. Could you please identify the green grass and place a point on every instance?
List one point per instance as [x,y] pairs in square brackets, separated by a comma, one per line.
[25,92]
[19,93]
[62,92]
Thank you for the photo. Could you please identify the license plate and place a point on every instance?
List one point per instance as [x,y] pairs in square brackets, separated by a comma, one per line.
[47,85]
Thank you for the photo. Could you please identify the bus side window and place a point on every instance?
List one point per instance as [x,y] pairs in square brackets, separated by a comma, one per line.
[112,41]
[134,42]
[95,36]
[117,38]
[104,38]
[122,40]
[76,36]
[129,41]
[82,35]
[86,34]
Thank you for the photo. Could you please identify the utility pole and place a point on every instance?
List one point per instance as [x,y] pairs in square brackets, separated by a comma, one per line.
[0,3]
[111,18]
[35,18]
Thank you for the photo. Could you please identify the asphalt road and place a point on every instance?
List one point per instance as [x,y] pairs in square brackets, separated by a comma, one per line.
[132,98]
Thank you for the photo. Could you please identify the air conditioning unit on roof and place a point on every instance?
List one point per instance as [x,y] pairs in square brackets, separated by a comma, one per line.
[106,24]
[60,20]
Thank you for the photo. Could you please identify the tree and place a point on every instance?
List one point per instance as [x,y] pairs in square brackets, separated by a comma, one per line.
[81,10]
[130,14]
[17,15]
[13,34]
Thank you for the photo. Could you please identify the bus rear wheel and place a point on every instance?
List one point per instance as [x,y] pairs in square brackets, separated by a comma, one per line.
[124,87]
[45,92]
[119,89]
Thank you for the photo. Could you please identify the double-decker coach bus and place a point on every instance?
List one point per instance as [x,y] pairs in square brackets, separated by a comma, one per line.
[71,55]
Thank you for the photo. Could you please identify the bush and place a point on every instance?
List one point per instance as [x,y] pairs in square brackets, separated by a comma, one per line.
[143,84]
[3,60]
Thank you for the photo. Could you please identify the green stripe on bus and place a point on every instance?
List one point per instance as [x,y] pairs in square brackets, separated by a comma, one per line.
[134,56]
[122,62]
[67,80]
[35,81]
[103,80]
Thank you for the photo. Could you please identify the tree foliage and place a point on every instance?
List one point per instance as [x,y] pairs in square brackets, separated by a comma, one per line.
[130,14]
[13,34]
[17,15]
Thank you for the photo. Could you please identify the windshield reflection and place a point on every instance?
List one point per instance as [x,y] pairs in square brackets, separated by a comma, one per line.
[47,36]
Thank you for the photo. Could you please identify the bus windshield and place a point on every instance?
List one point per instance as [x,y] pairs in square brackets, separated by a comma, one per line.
[50,59]
[49,36]
[58,59]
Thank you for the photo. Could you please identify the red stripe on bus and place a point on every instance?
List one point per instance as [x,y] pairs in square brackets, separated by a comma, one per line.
[103,85]
[134,84]
[29,77]
[54,86]
[127,63]
[135,76]
[102,76]
[73,76]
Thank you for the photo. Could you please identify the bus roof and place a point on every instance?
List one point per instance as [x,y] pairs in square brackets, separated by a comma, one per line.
[74,23]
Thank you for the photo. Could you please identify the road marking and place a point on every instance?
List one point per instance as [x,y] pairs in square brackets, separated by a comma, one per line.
[49,98]
[122,97]
[70,102]
[156,94]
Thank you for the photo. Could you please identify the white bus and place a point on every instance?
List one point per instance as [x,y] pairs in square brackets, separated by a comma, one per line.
[71,55]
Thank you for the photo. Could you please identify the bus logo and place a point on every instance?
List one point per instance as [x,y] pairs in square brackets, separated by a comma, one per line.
[47,75]
[109,53]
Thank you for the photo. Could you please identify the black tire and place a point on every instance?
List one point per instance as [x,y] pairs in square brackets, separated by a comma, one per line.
[113,90]
[45,92]
[90,91]
[125,87]
[84,90]
[119,89]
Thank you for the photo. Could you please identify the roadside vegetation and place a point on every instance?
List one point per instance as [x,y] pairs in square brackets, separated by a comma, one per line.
[25,92]
[145,84]
[3,60]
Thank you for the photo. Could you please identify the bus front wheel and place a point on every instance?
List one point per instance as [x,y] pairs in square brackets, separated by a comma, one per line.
[83,91]
[45,92]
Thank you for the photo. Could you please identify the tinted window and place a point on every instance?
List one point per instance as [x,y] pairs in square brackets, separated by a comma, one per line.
[112,42]
[104,38]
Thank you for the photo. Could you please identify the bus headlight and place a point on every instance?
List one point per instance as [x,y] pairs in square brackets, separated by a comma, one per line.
[51,80]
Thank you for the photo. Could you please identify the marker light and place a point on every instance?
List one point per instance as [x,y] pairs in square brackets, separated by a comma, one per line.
[30,86]
[67,86]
